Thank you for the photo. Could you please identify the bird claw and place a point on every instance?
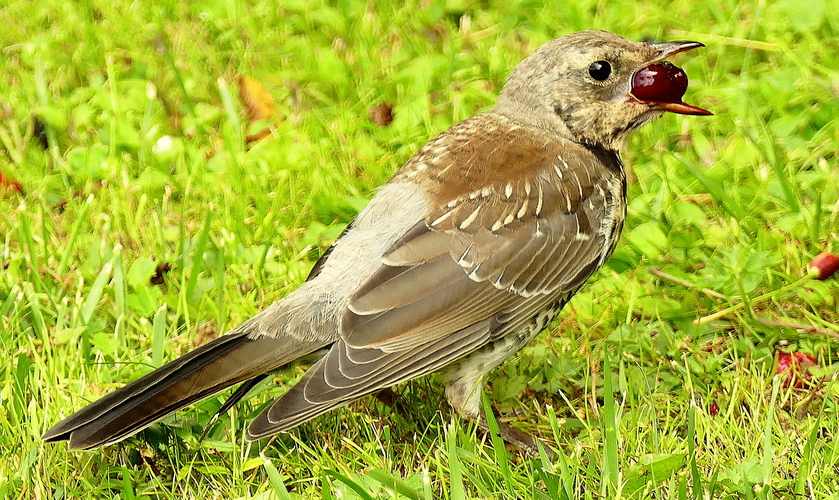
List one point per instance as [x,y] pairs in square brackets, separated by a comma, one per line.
[529,445]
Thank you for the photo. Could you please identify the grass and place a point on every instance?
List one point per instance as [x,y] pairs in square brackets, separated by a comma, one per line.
[146,225]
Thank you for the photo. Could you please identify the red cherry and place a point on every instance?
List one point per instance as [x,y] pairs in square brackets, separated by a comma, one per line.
[784,362]
[824,265]
[661,82]
[804,359]
[795,365]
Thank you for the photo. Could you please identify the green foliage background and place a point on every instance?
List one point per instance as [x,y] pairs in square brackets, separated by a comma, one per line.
[145,163]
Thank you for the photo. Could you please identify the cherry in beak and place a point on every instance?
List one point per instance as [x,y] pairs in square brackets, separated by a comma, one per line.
[661,85]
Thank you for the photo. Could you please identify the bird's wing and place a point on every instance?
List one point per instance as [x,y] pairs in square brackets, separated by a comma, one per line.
[540,230]
[478,265]
[224,362]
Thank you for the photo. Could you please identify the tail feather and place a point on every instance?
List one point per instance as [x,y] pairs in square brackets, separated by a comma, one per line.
[224,362]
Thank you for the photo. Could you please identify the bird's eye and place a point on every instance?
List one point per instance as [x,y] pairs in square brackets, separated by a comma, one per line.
[600,70]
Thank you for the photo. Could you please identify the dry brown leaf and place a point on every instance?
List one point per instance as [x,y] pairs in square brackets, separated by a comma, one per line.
[259,105]
[381,114]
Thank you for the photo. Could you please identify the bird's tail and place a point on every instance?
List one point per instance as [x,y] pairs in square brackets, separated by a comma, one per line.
[224,362]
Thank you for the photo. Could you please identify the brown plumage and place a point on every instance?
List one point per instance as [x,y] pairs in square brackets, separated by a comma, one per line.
[457,262]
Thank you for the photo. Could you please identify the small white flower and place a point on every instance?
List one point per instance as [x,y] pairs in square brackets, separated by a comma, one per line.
[163,146]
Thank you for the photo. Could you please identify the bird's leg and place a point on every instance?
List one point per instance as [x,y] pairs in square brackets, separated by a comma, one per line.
[511,435]
[464,393]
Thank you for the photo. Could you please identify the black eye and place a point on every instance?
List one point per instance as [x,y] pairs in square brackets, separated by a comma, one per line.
[600,70]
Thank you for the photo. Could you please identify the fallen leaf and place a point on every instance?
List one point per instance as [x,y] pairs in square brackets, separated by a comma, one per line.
[159,272]
[259,105]
[381,114]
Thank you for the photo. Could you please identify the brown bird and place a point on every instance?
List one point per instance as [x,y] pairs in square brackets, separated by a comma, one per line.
[458,261]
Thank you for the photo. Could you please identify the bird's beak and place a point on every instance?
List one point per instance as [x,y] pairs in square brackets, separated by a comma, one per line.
[667,49]
[661,85]
[682,108]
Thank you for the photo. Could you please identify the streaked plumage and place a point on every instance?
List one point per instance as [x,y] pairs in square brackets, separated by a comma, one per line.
[457,262]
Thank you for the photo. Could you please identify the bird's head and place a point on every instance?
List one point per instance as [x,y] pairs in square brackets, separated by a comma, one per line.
[595,87]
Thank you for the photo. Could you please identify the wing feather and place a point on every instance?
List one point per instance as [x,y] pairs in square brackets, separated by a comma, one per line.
[482,262]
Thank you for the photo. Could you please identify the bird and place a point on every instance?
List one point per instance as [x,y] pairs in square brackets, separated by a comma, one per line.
[468,252]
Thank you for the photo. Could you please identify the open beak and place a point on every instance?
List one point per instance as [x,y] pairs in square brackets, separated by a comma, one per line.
[661,85]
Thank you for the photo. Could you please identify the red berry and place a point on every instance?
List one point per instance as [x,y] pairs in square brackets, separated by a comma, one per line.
[805,360]
[784,362]
[795,366]
[714,409]
[10,185]
[824,265]
[661,82]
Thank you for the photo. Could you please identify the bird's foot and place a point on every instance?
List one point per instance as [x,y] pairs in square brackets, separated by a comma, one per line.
[518,439]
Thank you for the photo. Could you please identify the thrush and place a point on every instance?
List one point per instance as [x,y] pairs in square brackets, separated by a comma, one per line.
[464,256]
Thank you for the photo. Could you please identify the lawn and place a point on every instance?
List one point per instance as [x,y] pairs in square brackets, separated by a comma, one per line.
[140,217]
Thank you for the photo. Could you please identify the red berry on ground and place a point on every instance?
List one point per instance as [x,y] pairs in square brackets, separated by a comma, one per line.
[714,409]
[824,265]
[784,362]
[10,185]
[795,368]
[805,360]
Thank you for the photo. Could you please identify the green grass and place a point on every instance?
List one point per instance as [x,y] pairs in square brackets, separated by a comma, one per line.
[146,165]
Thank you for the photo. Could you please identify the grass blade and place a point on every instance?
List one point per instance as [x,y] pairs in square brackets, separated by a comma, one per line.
[394,484]
[158,336]
[610,434]
[274,477]
[498,445]
[457,491]
[716,190]
[359,489]
[96,291]
[695,476]
[198,258]
[768,454]
[806,463]
[70,244]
